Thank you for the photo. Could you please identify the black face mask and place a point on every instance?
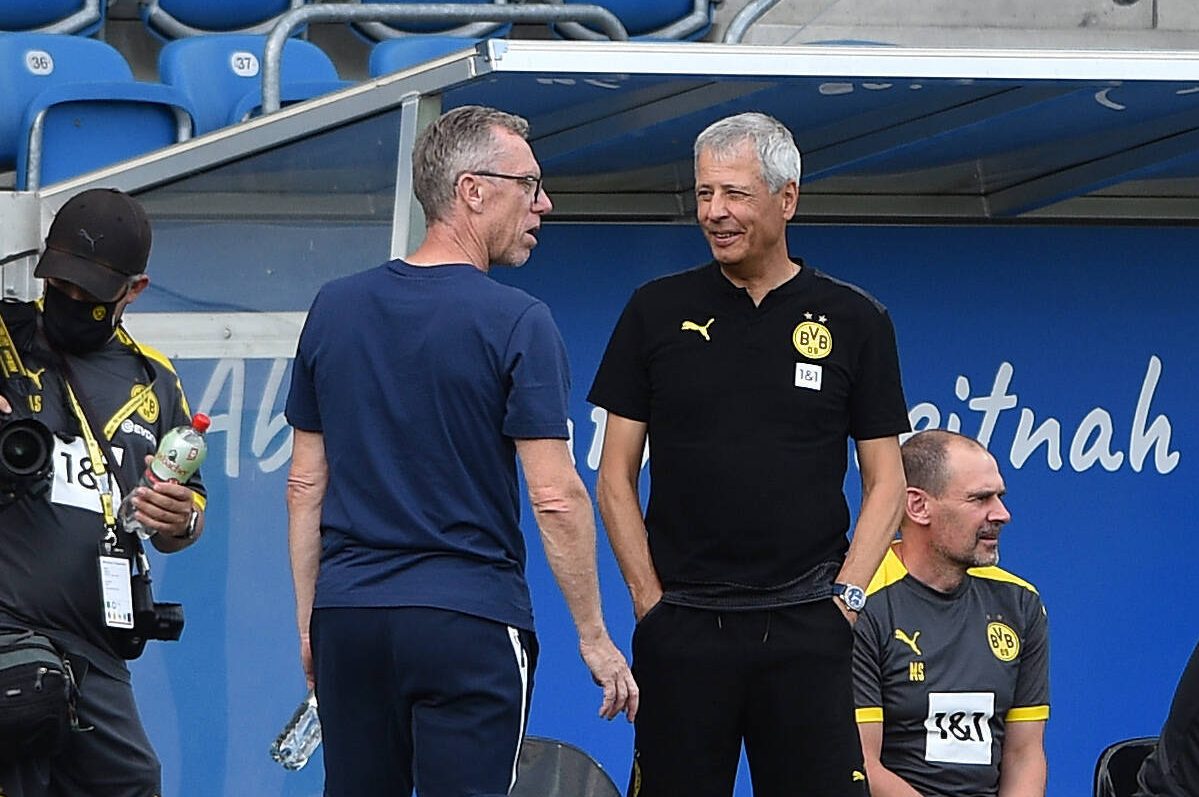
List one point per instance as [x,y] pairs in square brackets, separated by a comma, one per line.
[77,326]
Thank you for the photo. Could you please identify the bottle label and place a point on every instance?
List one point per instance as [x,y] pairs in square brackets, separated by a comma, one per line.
[179,455]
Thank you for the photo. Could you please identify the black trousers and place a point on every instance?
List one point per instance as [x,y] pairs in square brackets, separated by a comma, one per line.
[779,681]
[113,759]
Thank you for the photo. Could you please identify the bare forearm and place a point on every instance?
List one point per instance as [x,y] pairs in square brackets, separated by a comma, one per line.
[306,484]
[877,521]
[885,783]
[564,514]
[1023,775]
[567,525]
[620,507]
[304,547]
[883,490]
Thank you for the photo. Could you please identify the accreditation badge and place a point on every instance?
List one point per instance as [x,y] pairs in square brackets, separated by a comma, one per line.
[116,591]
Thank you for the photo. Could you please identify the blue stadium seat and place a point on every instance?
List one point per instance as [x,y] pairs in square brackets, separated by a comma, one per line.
[71,105]
[382,31]
[176,19]
[396,54]
[82,17]
[684,20]
[222,74]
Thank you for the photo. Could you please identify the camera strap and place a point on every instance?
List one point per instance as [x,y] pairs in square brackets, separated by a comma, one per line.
[11,366]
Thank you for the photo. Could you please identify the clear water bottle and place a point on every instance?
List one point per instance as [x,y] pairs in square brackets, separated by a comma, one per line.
[179,455]
[300,737]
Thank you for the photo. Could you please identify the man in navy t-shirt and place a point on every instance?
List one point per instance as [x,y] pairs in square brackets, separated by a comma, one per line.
[416,387]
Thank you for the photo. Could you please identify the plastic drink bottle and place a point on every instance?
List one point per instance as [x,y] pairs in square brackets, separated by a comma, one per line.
[300,737]
[179,455]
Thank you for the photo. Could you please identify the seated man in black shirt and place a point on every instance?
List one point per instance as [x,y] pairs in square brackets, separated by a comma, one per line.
[1172,770]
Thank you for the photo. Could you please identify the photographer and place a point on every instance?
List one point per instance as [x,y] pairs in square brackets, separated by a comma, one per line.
[65,567]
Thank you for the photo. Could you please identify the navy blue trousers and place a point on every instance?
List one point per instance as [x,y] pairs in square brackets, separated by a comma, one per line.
[413,697]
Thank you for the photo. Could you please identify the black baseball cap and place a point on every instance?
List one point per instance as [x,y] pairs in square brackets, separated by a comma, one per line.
[98,240]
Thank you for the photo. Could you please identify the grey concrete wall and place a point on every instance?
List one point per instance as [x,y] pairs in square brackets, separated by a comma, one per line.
[1071,24]
[1088,24]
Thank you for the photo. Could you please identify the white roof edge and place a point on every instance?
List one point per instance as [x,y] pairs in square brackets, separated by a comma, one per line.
[739,60]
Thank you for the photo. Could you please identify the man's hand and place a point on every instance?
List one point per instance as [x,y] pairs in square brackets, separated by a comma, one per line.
[610,670]
[5,407]
[644,603]
[850,616]
[166,507]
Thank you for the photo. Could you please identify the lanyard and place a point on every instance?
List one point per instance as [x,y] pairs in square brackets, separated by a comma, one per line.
[99,467]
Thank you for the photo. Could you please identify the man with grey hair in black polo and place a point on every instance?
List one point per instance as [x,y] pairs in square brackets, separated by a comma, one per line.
[748,376]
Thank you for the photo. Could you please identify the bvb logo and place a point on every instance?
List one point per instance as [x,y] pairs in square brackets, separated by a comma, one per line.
[1003,641]
[148,407]
[99,311]
[812,340]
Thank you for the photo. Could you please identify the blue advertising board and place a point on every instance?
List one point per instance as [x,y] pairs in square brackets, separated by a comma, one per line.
[1066,350]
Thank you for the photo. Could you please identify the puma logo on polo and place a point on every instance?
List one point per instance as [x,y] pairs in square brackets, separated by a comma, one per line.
[910,641]
[691,326]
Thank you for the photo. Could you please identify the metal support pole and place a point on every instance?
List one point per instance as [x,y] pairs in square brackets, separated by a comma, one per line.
[85,17]
[408,225]
[680,29]
[593,15]
[746,17]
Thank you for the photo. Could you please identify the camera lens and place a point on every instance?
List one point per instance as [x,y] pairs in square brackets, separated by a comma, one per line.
[26,450]
[23,451]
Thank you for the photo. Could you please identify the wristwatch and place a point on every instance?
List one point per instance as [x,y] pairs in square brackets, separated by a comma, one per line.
[190,532]
[853,596]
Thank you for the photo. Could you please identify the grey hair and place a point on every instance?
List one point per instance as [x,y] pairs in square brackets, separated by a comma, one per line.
[773,142]
[459,141]
[926,455]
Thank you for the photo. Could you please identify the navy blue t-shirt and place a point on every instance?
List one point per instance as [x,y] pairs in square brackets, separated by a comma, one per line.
[420,379]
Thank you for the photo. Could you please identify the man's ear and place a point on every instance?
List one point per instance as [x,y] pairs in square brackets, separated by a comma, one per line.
[139,284]
[917,506]
[470,192]
[790,195]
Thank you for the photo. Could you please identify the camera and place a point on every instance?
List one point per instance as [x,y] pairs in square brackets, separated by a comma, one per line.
[26,458]
[151,620]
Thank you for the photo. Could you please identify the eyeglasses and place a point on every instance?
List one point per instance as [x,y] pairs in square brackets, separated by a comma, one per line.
[527,180]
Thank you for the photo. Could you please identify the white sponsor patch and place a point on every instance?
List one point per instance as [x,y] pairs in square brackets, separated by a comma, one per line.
[75,483]
[808,375]
[959,727]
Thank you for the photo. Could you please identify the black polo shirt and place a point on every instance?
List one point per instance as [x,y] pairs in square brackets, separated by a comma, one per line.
[749,409]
